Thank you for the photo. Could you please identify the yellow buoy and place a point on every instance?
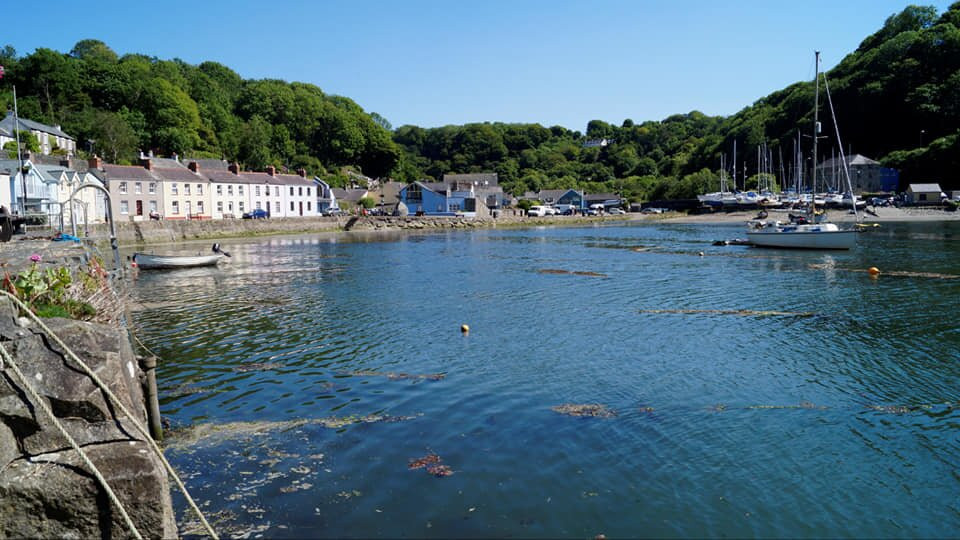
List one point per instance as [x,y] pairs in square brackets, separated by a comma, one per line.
[873,271]
[465,329]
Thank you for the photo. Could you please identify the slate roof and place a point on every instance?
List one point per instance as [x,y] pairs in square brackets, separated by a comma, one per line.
[477,179]
[7,124]
[260,178]
[227,177]
[601,197]
[855,159]
[351,195]
[179,174]
[294,180]
[208,164]
[925,188]
[126,172]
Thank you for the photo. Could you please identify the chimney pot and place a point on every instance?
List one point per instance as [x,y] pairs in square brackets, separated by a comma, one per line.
[302,172]
[193,166]
[94,163]
[234,168]
[271,170]
[147,164]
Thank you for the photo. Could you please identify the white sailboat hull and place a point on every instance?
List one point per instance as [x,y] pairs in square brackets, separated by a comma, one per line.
[822,236]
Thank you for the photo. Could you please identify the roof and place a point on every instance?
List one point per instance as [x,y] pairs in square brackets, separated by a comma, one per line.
[208,164]
[294,180]
[477,179]
[601,197]
[917,188]
[855,159]
[8,122]
[350,195]
[126,172]
[178,173]
[227,177]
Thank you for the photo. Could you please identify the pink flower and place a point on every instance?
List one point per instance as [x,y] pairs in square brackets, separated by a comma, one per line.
[35,257]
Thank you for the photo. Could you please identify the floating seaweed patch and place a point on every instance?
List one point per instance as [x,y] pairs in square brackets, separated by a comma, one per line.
[741,312]
[393,376]
[256,366]
[801,405]
[892,409]
[337,422]
[570,272]
[432,463]
[886,273]
[647,410]
[594,410]
[425,461]
[440,470]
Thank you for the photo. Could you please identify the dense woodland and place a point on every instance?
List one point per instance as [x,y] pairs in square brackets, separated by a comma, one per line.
[897,100]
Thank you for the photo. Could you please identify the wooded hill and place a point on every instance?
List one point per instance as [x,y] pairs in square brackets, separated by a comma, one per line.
[897,100]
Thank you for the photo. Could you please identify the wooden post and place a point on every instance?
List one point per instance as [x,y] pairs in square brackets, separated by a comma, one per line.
[149,366]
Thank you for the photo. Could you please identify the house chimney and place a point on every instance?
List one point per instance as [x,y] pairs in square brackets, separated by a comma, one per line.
[271,170]
[95,163]
[193,166]
[234,168]
[302,172]
[147,164]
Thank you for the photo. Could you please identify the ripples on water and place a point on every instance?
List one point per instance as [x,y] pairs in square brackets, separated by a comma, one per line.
[837,424]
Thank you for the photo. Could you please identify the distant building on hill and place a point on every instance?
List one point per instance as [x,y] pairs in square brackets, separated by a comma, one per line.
[866,175]
[50,137]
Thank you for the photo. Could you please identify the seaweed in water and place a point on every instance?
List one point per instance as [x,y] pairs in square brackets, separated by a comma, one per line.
[393,376]
[568,272]
[594,410]
[431,462]
[244,368]
[742,312]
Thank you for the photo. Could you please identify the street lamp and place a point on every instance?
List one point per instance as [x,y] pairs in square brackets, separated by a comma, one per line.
[922,131]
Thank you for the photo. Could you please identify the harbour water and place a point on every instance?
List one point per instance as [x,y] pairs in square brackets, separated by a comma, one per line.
[746,392]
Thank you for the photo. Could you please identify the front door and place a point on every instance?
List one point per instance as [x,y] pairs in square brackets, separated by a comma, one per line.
[301,208]
[139,208]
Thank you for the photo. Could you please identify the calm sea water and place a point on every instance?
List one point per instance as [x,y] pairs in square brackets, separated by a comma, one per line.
[304,376]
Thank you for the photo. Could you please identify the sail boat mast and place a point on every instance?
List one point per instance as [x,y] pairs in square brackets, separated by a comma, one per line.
[816,130]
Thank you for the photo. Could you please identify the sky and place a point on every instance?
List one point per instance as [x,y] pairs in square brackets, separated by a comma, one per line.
[432,63]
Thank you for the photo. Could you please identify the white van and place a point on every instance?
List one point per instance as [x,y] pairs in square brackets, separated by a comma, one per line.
[537,211]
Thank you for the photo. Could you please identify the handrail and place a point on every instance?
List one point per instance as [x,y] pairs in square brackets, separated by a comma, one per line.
[113,226]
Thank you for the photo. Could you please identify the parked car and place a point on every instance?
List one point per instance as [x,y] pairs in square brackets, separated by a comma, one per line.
[257,213]
[551,211]
[616,211]
[537,211]
[651,210]
[333,212]
[591,212]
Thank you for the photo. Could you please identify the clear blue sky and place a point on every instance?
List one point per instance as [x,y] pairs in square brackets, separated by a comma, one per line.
[437,62]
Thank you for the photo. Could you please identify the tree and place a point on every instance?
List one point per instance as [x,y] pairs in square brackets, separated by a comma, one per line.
[112,135]
[93,50]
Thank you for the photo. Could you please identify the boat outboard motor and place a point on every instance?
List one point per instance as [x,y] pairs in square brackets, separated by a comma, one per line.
[216,249]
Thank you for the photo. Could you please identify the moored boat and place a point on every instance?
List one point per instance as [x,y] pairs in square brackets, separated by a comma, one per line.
[150,261]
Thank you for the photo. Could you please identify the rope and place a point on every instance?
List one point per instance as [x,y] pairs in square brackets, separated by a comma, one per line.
[133,419]
[83,455]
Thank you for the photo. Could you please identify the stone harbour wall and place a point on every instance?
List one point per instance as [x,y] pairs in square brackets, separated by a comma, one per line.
[45,489]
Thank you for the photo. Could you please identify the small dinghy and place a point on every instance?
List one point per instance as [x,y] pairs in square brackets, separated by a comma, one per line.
[149,261]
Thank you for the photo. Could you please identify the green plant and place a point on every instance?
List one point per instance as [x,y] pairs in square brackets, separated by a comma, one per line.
[44,290]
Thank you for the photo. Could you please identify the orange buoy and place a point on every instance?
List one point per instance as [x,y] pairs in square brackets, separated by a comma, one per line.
[873,271]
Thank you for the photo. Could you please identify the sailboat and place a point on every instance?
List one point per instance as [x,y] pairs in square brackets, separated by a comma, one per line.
[722,197]
[809,231]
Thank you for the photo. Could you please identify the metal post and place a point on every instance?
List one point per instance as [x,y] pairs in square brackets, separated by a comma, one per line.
[23,177]
[149,366]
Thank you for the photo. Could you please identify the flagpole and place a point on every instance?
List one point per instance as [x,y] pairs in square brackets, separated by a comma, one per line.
[23,177]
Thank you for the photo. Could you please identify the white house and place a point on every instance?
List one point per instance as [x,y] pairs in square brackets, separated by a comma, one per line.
[50,137]
[300,194]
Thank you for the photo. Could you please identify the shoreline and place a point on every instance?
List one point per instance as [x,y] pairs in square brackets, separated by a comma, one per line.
[881,215]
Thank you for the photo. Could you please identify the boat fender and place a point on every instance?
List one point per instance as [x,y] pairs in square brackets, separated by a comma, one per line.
[873,271]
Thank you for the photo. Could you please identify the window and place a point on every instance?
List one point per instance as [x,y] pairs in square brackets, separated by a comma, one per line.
[414,193]
[276,191]
[152,188]
[138,188]
[256,191]
[230,206]
[277,207]
[308,192]
[123,187]
[219,190]
[291,206]
[173,188]
[124,207]
[240,190]
[219,206]
[186,190]
[257,205]
[240,206]
[199,207]
[230,190]
[291,191]
[153,206]
[308,204]
[186,208]
[454,207]
[199,189]
[300,192]
[175,206]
